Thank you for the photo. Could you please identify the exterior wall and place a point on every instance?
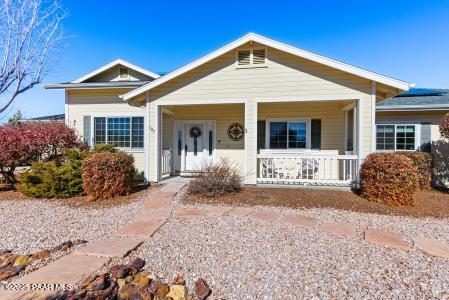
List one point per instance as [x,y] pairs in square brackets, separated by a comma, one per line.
[103,102]
[433,117]
[285,76]
[330,113]
[224,115]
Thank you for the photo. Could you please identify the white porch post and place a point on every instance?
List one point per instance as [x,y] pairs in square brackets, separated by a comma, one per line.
[359,132]
[66,108]
[251,141]
[154,152]
[146,140]
[373,116]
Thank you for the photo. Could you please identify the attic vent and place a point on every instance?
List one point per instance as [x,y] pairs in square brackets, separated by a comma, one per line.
[258,56]
[124,73]
[244,57]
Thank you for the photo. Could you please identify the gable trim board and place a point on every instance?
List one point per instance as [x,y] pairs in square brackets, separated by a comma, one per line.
[113,64]
[251,37]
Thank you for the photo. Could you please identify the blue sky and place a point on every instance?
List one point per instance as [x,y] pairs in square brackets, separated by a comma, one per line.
[408,40]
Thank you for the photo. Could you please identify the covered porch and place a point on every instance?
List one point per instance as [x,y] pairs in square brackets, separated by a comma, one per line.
[271,142]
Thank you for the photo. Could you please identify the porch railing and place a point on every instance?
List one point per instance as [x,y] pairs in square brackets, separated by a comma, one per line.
[166,163]
[307,168]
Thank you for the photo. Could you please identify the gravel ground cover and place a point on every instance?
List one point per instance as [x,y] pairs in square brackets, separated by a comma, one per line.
[31,225]
[428,203]
[247,258]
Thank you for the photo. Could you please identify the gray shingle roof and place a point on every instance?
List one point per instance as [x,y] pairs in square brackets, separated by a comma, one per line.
[418,97]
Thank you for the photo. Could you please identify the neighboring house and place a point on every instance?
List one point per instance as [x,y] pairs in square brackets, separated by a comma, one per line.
[47,119]
[282,114]
[411,120]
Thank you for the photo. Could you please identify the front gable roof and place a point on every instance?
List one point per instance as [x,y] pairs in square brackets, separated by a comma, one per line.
[113,64]
[251,37]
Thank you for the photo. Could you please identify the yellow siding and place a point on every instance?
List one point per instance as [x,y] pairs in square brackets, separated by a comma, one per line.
[101,102]
[286,76]
[330,113]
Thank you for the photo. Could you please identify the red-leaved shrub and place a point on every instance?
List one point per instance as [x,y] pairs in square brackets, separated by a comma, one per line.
[29,142]
[106,175]
[389,178]
[423,162]
[444,126]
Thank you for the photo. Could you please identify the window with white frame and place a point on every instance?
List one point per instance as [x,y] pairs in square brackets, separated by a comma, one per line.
[390,137]
[288,134]
[122,132]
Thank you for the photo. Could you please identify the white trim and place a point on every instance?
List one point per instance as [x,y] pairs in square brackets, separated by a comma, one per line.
[113,64]
[401,85]
[402,123]
[117,115]
[373,116]
[96,85]
[360,131]
[346,131]
[413,107]
[308,122]
[66,108]
[146,137]
[258,100]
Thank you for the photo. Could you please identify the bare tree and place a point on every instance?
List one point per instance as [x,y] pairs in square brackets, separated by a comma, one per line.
[30,30]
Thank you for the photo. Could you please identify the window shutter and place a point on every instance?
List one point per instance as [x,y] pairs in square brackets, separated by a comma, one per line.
[86,130]
[243,57]
[316,134]
[426,137]
[261,135]
[259,56]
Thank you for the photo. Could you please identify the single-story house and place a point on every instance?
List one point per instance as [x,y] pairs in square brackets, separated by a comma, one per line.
[279,113]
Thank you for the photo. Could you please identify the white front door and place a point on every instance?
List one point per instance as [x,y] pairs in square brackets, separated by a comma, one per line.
[194,146]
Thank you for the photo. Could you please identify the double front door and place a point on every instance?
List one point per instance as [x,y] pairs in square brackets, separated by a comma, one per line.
[194,144]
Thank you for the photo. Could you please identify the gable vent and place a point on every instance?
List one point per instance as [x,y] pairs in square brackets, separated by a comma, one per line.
[258,56]
[243,57]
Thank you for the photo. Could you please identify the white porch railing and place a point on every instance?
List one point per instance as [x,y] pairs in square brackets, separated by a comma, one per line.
[166,163]
[313,168]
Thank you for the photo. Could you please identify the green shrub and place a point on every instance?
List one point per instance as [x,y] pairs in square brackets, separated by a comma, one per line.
[106,175]
[104,148]
[423,162]
[389,178]
[216,179]
[47,180]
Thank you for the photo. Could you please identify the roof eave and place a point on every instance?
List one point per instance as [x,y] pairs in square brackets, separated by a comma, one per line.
[412,107]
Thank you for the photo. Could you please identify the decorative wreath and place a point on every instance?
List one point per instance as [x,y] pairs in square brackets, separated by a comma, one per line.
[235,131]
[195,132]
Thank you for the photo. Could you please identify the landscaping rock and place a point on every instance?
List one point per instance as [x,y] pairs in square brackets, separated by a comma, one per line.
[179,280]
[119,271]
[154,285]
[177,292]
[141,280]
[7,260]
[44,254]
[10,271]
[100,283]
[128,292]
[136,265]
[21,260]
[79,242]
[202,290]
[162,290]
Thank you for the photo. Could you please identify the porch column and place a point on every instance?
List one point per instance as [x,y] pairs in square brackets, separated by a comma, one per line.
[146,140]
[154,152]
[250,141]
[373,116]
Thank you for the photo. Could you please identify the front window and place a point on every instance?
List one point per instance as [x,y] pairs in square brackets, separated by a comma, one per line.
[395,137]
[288,135]
[122,132]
